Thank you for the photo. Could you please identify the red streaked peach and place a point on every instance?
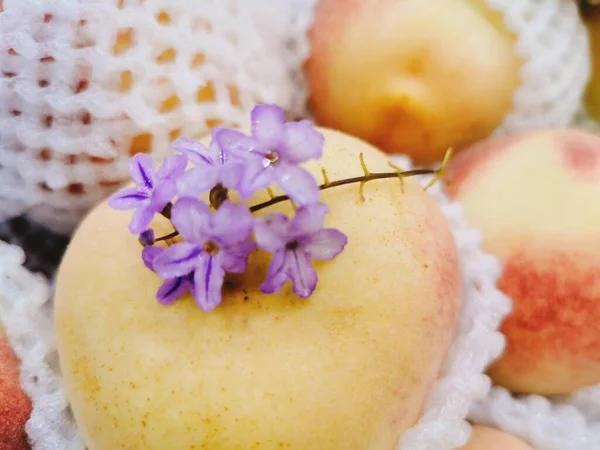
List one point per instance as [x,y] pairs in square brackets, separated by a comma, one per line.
[15,406]
[536,199]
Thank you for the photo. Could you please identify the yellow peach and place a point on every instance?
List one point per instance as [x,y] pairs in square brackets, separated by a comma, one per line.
[535,199]
[486,438]
[347,368]
[412,76]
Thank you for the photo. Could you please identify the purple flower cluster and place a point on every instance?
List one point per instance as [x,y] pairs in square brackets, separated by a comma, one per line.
[218,236]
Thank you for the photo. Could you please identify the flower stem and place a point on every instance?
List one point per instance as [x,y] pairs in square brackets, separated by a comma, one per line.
[168,236]
[361,179]
[221,193]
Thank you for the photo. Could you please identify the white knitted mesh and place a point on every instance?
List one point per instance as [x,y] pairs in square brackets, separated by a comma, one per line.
[25,308]
[67,127]
[546,425]
[85,83]
[554,45]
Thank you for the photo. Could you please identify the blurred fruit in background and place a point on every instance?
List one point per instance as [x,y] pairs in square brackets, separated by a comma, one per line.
[412,76]
[418,77]
[535,198]
[486,438]
[15,406]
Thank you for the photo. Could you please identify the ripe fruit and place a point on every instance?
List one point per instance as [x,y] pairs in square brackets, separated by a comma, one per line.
[486,438]
[412,76]
[347,368]
[535,197]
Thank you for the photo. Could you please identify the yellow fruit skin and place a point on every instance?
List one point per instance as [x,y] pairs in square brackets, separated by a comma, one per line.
[592,95]
[347,368]
[411,76]
[486,438]
[535,197]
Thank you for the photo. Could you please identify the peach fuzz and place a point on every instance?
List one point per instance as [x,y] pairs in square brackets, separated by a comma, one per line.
[535,198]
[412,76]
[486,438]
[347,368]
[15,406]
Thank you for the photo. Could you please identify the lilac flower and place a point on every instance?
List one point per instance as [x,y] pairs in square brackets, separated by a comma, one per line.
[214,244]
[276,148]
[294,243]
[212,166]
[173,288]
[154,189]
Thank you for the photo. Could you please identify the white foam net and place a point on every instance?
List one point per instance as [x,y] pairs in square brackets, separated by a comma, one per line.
[83,84]
[25,308]
[554,46]
[545,424]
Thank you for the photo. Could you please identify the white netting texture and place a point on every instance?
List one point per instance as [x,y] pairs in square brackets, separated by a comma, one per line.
[25,307]
[26,312]
[554,45]
[546,425]
[86,83]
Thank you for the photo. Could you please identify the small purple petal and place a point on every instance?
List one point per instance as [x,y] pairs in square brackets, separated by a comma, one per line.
[236,143]
[172,167]
[162,194]
[191,217]
[231,174]
[149,254]
[272,231]
[127,199]
[267,124]
[219,155]
[231,223]
[309,219]
[178,260]
[208,283]
[172,290]
[297,183]
[235,259]
[256,177]
[324,245]
[195,151]
[141,219]
[198,181]
[276,276]
[301,142]
[301,272]
[141,169]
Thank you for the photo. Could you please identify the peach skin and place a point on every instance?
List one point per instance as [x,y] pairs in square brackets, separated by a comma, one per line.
[412,76]
[536,199]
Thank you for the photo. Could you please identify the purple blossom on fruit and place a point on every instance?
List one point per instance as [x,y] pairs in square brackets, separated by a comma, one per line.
[173,288]
[295,243]
[154,189]
[214,244]
[276,149]
[212,166]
